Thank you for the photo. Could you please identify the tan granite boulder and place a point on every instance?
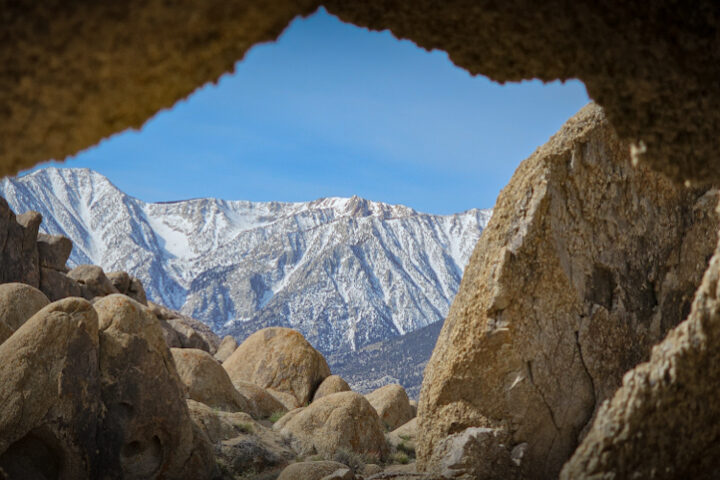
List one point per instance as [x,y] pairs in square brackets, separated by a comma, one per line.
[281,361]
[392,405]
[208,382]
[332,384]
[146,428]
[586,263]
[341,421]
[226,348]
[50,394]
[265,403]
[18,302]
[92,280]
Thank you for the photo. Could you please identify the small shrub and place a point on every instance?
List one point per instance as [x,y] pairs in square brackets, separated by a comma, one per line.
[245,428]
[353,460]
[402,447]
[276,416]
[405,437]
[399,457]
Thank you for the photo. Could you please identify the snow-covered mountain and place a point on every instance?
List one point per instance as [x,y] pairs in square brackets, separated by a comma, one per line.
[346,272]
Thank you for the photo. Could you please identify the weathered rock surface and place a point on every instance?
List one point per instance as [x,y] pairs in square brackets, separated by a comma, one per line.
[265,403]
[226,348]
[18,302]
[56,285]
[332,384]
[92,280]
[49,394]
[281,361]
[343,420]
[310,470]
[392,405]
[208,382]
[340,474]
[241,445]
[54,251]
[128,285]
[663,421]
[190,333]
[585,264]
[18,246]
[477,454]
[146,430]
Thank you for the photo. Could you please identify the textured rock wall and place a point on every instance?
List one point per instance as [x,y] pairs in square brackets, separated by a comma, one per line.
[76,72]
[663,422]
[586,263]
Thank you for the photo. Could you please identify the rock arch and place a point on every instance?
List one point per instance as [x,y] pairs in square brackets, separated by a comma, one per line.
[77,72]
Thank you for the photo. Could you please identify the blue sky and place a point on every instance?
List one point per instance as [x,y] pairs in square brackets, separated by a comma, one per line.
[331,109]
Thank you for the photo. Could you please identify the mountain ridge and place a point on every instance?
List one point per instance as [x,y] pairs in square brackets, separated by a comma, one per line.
[346,272]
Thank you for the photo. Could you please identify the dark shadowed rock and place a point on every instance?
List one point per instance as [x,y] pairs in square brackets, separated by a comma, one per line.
[50,395]
[57,285]
[663,422]
[18,246]
[128,285]
[18,302]
[147,429]
[54,251]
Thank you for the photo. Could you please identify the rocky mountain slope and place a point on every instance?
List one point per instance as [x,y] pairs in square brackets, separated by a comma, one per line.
[346,272]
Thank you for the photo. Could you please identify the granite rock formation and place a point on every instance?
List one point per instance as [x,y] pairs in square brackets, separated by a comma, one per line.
[586,263]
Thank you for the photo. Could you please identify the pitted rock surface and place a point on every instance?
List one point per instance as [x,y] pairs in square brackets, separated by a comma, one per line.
[586,263]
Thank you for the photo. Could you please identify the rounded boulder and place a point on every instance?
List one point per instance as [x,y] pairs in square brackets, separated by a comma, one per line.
[280,360]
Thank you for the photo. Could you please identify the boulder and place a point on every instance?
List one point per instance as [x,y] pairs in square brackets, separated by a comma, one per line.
[226,348]
[146,428]
[18,246]
[341,421]
[265,403]
[240,444]
[128,285]
[208,382]
[340,474]
[332,384]
[120,280]
[92,280]
[191,333]
[56,285]
[50,394]
[663,421]
[188,336]
[392,405]
[136,291]
[281,361]
[18,302]
[586,263]
[477,453]
[310,470]
[54,251]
